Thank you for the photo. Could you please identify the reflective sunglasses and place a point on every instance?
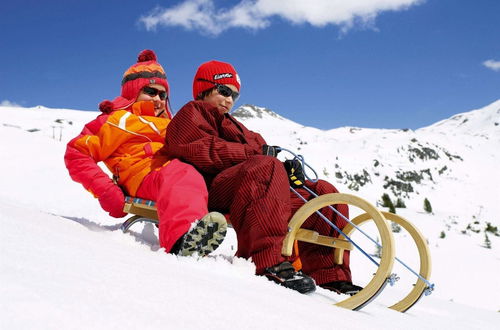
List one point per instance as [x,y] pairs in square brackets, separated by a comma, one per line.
[224,90]
[151,91]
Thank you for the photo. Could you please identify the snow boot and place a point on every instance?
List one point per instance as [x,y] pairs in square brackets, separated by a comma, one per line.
[284,274]
[342,287]
[204,236]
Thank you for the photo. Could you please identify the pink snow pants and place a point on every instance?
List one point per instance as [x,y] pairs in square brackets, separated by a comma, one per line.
[181,198]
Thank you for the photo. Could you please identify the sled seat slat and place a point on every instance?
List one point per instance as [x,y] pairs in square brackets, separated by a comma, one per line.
[311,236]
[143,207]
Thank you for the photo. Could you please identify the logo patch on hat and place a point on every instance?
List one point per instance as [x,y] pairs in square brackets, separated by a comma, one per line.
[152,81]
[222,76]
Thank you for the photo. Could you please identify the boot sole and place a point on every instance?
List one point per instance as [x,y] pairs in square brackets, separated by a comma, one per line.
[304,286]
[206,236]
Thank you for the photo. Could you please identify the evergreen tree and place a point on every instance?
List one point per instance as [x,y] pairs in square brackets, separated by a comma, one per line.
[487,242]
[386,202]
[400,203]
[442,235]
[427,206]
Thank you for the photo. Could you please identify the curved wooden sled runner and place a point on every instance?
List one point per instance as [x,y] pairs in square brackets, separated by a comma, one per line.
[423,250]
[378,282]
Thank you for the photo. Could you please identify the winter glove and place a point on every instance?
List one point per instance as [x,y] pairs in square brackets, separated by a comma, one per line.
[113,201]
[295,173]
[272,151]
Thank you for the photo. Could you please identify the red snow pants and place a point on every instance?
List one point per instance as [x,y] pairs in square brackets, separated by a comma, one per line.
[181,198]
[257,196]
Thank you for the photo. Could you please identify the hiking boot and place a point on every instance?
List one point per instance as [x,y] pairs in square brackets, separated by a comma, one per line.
[342,287]
[203,237]
[284,274]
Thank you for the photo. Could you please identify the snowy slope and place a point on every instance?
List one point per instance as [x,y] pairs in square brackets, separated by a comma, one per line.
[65,264]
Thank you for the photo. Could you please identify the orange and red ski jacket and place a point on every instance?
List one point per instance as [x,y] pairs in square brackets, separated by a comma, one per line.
[128,142]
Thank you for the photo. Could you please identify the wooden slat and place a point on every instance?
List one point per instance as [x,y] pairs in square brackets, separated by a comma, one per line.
[311,236]
[142,210]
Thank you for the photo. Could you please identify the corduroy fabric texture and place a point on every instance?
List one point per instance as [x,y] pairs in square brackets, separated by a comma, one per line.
[256,195]
[252,187]
[216,72]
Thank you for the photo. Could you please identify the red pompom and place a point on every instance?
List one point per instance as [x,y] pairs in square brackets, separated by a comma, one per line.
[146,55]
[106,106]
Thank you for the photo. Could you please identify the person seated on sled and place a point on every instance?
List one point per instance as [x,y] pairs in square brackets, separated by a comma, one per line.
[129,138]
[246,180]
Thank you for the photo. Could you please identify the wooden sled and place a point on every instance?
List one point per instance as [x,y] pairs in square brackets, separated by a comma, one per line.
[145,211]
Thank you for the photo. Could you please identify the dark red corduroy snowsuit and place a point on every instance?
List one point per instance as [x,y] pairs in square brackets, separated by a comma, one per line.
[252,188]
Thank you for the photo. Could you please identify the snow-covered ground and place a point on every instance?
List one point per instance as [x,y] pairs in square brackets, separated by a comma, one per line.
[65,264]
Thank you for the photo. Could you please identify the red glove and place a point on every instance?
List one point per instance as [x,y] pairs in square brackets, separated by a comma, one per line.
[113,201]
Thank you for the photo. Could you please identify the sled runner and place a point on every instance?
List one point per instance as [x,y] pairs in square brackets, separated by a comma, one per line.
[380,279]
[422,287]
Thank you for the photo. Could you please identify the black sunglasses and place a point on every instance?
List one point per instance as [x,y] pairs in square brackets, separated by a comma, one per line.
[151,91]
[223,90]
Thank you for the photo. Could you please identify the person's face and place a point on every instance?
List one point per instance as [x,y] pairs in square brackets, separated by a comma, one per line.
[147,95]
[222,103]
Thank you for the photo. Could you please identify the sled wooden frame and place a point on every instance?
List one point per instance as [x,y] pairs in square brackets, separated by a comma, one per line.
[381,276]
[423,250]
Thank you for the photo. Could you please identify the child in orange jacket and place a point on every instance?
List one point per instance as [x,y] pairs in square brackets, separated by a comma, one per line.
[129,138]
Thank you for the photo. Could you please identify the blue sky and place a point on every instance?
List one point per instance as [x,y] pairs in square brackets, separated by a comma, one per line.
[380,64]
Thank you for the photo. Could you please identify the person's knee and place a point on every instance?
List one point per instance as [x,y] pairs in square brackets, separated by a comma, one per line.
[180,171]
[262,168]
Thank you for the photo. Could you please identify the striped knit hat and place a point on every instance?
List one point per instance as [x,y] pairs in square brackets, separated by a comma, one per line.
[146,71]
[214,72]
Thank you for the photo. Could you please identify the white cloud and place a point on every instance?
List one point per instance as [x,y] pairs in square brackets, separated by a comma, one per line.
[492,64]
[202,15]
[7,103]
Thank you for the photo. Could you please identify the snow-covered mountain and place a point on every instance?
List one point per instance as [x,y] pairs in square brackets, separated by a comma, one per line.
[453,163]
[65,263]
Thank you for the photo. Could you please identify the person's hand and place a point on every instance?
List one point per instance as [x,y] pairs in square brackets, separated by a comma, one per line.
[113,201]
[270,150]
[295,173]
